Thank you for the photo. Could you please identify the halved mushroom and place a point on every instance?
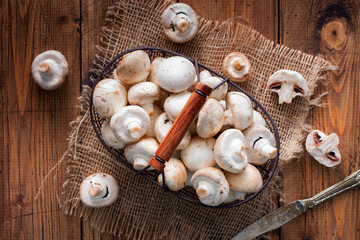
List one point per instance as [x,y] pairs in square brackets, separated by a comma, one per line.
[260,144]
[323,148]
[99,190]
[133,68]
[180,22]
[130,123]
[240,112]
[211,186]
[140,152]
[144,94]
[109,97]
[175,103]
[199,154]
[230,151]
[236,66]
[175,175]
[49,69]
[210,119]
[288,84]
[109,137]
[247,181]
[174,74]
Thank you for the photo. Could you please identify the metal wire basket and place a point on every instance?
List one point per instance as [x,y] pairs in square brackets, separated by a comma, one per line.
[188,193]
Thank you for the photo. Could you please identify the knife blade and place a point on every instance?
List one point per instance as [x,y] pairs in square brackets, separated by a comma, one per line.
[290,211]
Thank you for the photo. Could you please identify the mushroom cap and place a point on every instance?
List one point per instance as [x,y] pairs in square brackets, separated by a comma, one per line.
[130,123]
[144,94]
[288,84]
[240,112]
[199,153]
[134,67]
[210,119]
[236,66]
[140,152]
[180,22]
[260,144]
[258,118]
[229,151]
[175,103]
[156,113]
[109,97]
[323,148]
[49,69]
[211,186]
[247,181]
[99,190]
[174,74]
[162,126]
[175,174]
[108,136]
[220,92]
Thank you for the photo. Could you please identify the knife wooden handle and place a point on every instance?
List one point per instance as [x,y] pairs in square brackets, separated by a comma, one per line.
[180,126]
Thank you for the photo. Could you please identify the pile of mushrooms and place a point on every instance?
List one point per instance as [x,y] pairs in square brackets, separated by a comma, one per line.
[217,154]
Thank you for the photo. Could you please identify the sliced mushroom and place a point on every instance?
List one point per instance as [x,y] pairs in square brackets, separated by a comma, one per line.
[247,181]
[236,66]
[210,119]
[288,84]
[99,190]
[175,175]
[180,22]
[109,97]
[49,69]
[240,112]
[140,152]
[324,148]
[162,126]
[130,123]
[144,94]
[109,137]
[230,151]
[199,154]
[174,74]
[210,185]
[175,103]
[133,68]
[260,144]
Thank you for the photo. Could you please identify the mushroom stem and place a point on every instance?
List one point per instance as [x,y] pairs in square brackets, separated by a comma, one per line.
[286,93]
[182,23]
[264,148]
[328,143]
[45,67]
[95,190]
[239,64]
[140,163]
[134,128]
[241,153]
[204,190]
[149,108]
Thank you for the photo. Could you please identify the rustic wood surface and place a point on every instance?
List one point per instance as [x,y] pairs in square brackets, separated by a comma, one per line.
[35,123]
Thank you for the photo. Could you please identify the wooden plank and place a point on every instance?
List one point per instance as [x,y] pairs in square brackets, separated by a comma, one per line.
[332,31]
[35,123]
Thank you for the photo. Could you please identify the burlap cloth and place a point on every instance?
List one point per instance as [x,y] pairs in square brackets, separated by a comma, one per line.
[143,210]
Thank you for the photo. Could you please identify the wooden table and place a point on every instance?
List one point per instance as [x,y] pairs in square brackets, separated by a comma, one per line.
[35,123]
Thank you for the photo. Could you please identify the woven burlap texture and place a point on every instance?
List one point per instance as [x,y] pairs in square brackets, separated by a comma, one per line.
[143,210]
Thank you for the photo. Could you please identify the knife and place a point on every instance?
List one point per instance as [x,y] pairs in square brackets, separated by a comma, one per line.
[290,211]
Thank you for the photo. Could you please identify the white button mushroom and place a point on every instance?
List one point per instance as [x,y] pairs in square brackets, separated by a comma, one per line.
[211,81]
[153,117]
[99,190]
[144,94]
[248,181]
[174,74]
[288,84]
[180,22]
[323,148]
[230,151]
[233,196]
[175,103]
[260,144]
[133,68]
[162,126]
[108,136]
[199,154]
[258,118]
[109,97]
[49,69]
[236,66]
[130,123]
[140,152]
[210,119]
[175,175]
[211,186]
[240,112]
